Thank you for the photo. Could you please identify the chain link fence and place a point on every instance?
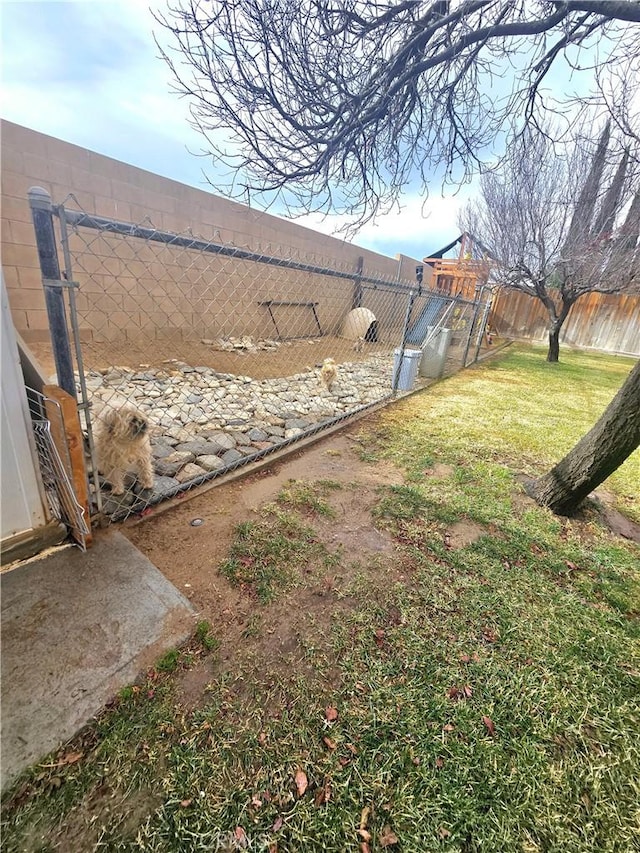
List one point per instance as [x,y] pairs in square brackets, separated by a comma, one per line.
[193,357]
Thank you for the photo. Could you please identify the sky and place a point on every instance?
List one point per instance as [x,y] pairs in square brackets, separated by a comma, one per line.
[88,72]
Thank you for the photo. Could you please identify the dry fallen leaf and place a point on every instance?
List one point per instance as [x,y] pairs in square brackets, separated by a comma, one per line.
[465,658]
[351,748]
[443,833]
[185,803]
[323,794]
[364,816]
[69,758]
[439,761]
[241,836]
[331,713]
[449,727]
[468,691]
[302,782]
[453,693]
[256,801]
[388,837]
[364,834]
[364,847]
[273,847]
[489,724]
[329,743]
[262,738]
[278,823]
[490,635]
[571,566]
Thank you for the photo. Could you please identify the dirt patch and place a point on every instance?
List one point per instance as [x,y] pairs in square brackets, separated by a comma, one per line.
[464,533]
[191,685]
[440,471]
[291,357]
[102,807]
[352,529]
[620,524]
[190,556]
[600,507]
[282,637]
[522,501]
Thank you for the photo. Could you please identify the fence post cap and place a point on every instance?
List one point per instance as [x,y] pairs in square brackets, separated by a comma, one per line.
[39,197]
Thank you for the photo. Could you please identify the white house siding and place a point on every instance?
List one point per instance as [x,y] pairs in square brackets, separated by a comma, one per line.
[21,508]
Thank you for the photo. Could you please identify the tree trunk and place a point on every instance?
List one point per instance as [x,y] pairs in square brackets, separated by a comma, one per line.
[597,455]
[556,321]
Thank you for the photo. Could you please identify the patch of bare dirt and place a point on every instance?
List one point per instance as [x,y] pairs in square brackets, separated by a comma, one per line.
[352,529]
[464,533]
[190,556]
[600,508]
[273,640]
[522,501]
[192,684]
[102,806]
[291,357]
[619,524]
[439,471]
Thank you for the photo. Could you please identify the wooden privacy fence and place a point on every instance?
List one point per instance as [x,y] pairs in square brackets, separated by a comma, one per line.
[610,323]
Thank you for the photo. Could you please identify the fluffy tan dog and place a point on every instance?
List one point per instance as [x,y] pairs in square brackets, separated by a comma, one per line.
[328,373]
[122,445]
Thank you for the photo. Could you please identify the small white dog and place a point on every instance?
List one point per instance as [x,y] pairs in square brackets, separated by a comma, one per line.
[122,445]
[328,373]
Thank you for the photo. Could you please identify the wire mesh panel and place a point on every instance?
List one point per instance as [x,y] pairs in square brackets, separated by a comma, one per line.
[196,357]
[54,463]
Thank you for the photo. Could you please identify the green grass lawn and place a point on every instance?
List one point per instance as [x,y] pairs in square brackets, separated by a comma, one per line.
[450,695]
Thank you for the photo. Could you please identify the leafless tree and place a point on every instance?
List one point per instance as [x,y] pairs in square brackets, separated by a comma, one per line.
[561,221]
[337,105]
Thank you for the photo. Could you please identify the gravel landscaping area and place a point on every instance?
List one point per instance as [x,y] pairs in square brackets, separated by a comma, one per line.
[203,420]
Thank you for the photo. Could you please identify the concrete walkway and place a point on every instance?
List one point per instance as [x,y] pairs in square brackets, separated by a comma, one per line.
[75,629]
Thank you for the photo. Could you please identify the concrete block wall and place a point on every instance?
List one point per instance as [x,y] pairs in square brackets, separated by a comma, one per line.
[130,287]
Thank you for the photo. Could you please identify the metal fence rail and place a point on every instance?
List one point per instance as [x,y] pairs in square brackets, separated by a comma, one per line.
[225,353]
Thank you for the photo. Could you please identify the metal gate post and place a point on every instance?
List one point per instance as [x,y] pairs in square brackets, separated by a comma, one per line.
[356,302]
[405,332]
[85,405]
[482,329]
[476,311]
[42,215]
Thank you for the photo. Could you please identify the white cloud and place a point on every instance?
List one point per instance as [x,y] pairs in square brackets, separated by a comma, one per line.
[419,227]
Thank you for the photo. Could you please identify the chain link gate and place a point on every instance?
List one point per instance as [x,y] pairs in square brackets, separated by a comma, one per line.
[194,357]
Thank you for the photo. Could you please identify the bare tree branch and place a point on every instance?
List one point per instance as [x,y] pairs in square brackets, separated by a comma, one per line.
[336,105]
[561,222]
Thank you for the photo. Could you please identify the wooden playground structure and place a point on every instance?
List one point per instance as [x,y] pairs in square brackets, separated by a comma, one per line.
[463,275]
